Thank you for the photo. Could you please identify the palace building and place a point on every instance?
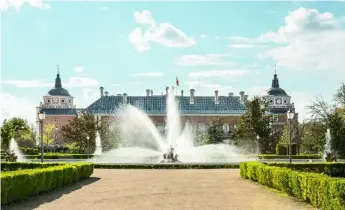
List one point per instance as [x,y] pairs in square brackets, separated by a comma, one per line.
[199,110]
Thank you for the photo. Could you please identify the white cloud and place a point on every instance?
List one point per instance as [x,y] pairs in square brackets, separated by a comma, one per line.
[203,60]
[138,40]
[220,74]
[148,74]
[308,40]
[78,69]
[12,106]
[27,83]
[16,4]
[163,33]
[241,46]
[144,17]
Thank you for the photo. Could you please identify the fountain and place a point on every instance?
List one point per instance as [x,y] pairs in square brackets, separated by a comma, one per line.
[15,148]
[327,152]
[98,150]
[143,143]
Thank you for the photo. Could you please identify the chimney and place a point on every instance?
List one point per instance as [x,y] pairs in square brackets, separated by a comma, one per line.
[242,96]
[151,92]
[124,98]
[147,92]
[191,97]
[166,90]
[216,99]
[181,92]
[106,93]
[231,94]
[245,98]
[101,88]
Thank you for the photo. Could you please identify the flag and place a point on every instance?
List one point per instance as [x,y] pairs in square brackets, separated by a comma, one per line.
[177,82]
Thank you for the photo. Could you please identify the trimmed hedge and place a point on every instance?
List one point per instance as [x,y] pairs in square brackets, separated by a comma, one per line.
[165,166]
[22,184]
[331,169]
[29,151]
[301,157]
[13,166]
[60,156]
[84,156]
[320,190]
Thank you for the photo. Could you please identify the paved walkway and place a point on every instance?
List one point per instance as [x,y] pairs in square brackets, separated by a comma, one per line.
[163,190]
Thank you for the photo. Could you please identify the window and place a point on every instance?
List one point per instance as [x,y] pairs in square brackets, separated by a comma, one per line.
[271,101]
[62,100]
[48,100]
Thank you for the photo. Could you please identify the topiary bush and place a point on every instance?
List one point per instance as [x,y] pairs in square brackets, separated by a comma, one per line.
[13,166]
[301,157]
[320,190]
[21,184]
[331,169]
[165,166]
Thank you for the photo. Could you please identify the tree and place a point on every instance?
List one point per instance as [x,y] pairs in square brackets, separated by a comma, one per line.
[340,95]
[47,134]
[16,128]
[110,135]
[337,130]
[79,129]
[254,122]
[332,117]
[215,132]
[313,137]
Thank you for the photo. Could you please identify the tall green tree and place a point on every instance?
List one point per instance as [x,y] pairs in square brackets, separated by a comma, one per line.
[333,117]
[215,132]
[79,129]
[110,135]
[340,95]
[313,137]
[16,128]
[254,122]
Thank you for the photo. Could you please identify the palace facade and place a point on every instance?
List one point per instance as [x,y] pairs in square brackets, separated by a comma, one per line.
[200,110]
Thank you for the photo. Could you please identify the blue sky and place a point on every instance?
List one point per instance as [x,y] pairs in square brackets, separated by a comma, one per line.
[129,47]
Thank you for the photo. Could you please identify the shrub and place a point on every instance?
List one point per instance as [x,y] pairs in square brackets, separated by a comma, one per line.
[60,156]
[330,169]
[320,190]
[29,151]
[22,184]
[303,157]
[165,166]
[8,166]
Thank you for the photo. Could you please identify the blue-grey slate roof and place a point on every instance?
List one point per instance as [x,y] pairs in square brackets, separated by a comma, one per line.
[60,111]
[157,105]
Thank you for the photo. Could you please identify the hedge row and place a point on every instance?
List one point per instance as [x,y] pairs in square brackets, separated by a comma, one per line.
[60,156]
[301,157]
[165,166]
[84,156]
[330,169]
[22,184]
[13,166]
[320,190]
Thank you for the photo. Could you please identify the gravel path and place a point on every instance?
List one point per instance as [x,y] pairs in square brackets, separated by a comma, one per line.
[163,190]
